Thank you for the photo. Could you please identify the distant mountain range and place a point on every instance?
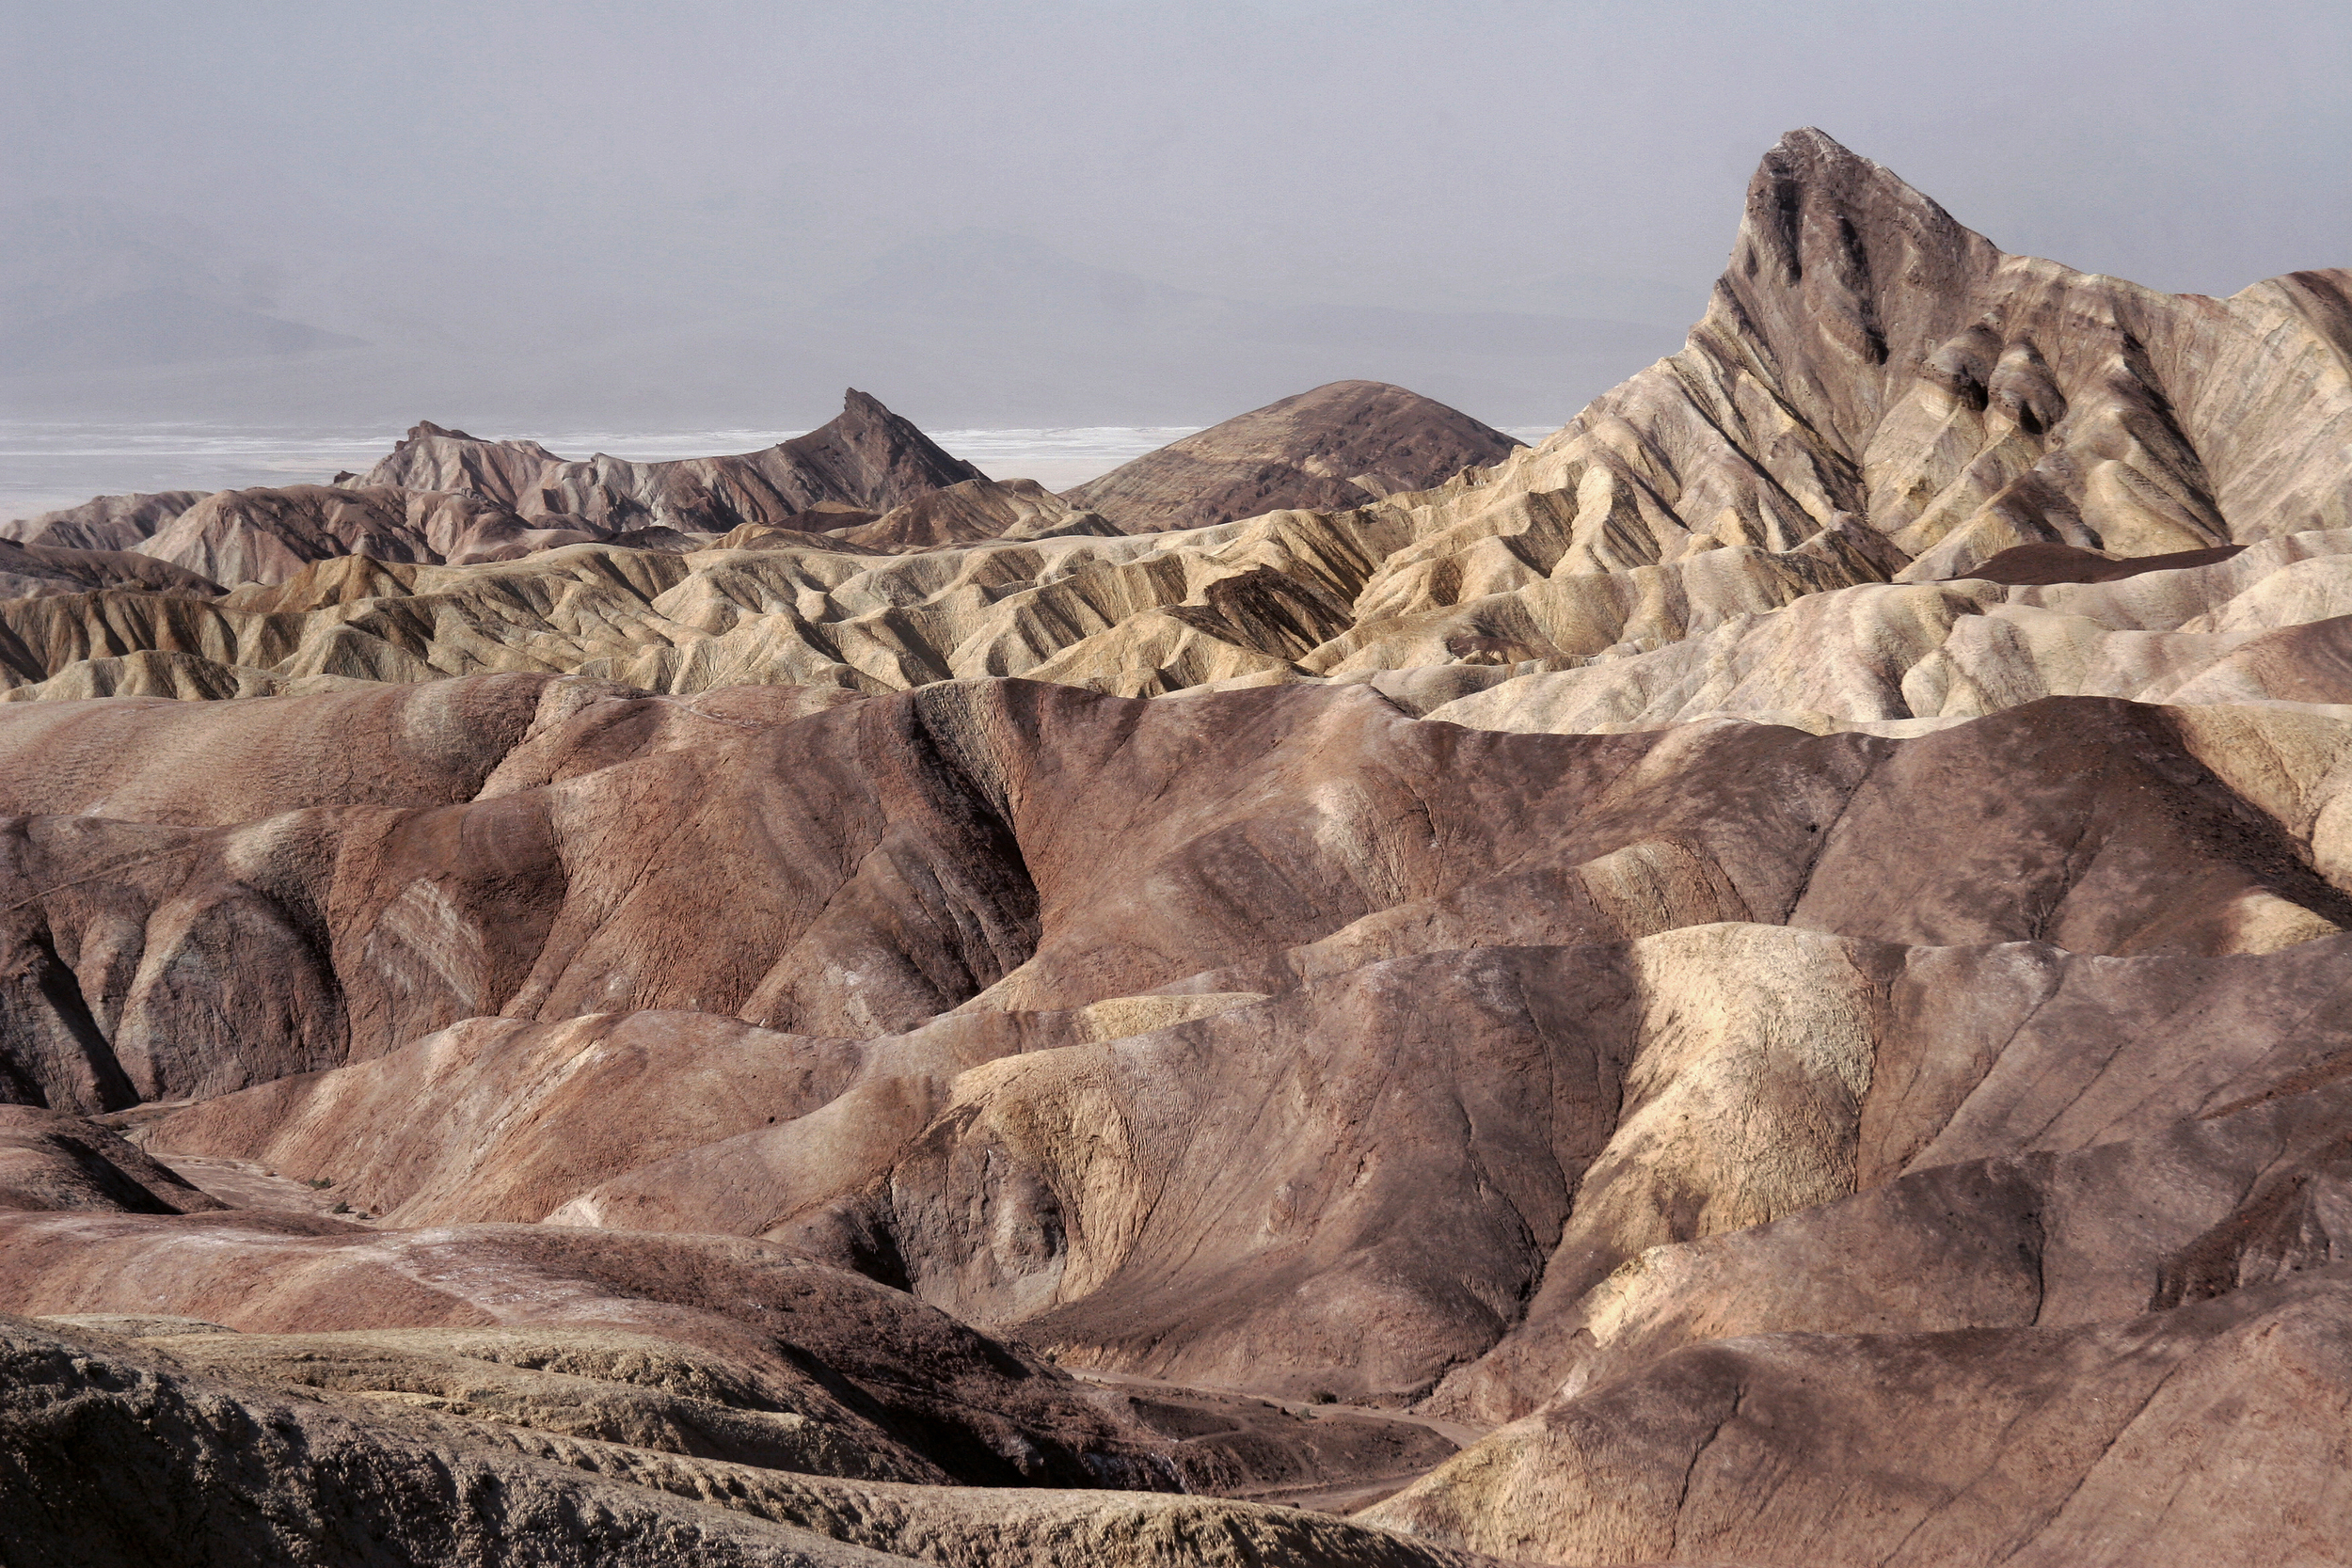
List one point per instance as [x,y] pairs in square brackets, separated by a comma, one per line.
[975,328]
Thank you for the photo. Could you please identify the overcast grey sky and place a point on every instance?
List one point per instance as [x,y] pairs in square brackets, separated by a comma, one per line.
[462,180]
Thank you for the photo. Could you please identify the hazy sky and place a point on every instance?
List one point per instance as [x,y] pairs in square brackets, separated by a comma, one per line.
[445,173]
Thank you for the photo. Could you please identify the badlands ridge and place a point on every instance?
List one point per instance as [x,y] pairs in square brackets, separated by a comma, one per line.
[1765,981]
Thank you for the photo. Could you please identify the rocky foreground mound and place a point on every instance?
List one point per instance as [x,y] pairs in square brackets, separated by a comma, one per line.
[1767,981]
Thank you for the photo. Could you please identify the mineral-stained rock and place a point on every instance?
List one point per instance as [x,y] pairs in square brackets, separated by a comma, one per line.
[268,535]
[2042,1446]
[104,522]
[2264,624]
[906,1389]
[891,859]
[1875,393]
[144,760]
[109,1454]
[1446,909]
[32,571]
[496,1120]
[971,511]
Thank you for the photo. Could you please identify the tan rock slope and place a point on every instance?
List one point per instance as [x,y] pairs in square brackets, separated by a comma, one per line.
[1764,981]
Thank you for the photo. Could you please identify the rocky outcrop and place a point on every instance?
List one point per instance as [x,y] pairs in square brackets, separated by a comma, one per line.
[972,511]
[2265,623]
[109,1454]
[881,1384]
[902,856]
[33,571]
[1875,394]
[1044,861]
[237,536]
[1334,447]
[868,458]
[2047,1444]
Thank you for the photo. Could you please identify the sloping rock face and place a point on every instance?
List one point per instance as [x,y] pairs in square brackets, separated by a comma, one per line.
[268,535]
[884,861]
[1329,447]
[882,1386]
[444,497]
[970,511]
[1217,1027]
[50,1159]
[2049,1445]
[31,571]
[1761,982]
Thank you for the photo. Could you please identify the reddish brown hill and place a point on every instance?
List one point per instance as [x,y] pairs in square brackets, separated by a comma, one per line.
[1335,447]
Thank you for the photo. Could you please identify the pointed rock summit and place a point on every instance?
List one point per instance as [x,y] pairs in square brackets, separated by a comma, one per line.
[1871,374]
[1843,278]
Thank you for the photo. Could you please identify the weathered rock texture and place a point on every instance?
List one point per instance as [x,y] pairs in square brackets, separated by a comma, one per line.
[116,1451]
[51,1160]
[1774,968]
[104,522]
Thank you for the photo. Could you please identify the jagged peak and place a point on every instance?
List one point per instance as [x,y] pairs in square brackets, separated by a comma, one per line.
[426,429]
[1813,202]
[867,426]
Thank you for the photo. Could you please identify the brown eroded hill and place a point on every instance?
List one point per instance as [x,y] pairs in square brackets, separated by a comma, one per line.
[1876,394]
[1322,449]
[1232,1080]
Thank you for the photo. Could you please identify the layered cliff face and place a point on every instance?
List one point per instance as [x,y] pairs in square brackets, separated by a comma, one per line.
[1763,981]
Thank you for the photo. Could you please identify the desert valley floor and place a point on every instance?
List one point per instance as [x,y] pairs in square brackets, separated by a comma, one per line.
[1767,980]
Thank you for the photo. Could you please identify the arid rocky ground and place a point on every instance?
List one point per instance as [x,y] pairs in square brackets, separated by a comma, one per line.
[1766,981]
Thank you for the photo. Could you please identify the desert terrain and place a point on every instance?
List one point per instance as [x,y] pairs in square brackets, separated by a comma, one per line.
[1766,980]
